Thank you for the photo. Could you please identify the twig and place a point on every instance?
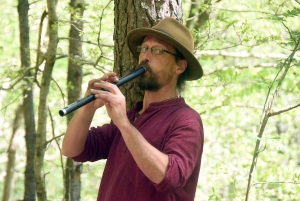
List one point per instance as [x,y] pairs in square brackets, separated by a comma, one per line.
[12,101]
[291,35]
[55,138]
[241,11]
[262,65]
[61,91]
[24,76]
[100,24]
[288,65]
[85,41]
[276,182]
[284,110]
[99,34]
[244,54]
[37,64]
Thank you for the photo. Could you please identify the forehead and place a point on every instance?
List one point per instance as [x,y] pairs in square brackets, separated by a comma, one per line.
[151,38]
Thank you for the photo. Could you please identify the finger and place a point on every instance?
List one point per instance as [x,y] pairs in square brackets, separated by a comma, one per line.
[108,86]
[110,77]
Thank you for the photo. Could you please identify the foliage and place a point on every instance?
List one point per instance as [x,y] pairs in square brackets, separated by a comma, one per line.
[244,48]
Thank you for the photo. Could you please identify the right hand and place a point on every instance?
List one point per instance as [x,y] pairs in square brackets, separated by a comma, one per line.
[93,85]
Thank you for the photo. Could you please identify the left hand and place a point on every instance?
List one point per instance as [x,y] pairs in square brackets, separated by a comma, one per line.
[114,102]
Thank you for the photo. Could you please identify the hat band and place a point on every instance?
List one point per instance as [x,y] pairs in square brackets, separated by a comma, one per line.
[163,32]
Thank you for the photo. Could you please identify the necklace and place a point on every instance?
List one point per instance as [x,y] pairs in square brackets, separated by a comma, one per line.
[177,96]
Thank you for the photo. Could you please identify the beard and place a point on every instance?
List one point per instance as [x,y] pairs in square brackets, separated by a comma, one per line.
[148,82]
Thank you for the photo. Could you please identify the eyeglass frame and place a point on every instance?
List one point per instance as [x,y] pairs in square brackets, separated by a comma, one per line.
[152,49]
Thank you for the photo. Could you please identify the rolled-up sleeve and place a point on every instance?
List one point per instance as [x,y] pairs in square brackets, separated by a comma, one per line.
[97,144]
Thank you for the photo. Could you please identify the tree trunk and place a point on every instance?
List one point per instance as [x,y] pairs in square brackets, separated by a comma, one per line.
[42,109]
[74,81]
[11,156]
[28,106]
[131,14]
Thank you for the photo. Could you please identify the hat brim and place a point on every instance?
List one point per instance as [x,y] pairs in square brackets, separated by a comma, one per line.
[136,37]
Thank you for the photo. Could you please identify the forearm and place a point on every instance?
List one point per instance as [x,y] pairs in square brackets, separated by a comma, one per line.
[76,134]
[77,131]
[152,162]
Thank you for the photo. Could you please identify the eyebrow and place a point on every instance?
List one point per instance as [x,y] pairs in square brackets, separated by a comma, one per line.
[156,40]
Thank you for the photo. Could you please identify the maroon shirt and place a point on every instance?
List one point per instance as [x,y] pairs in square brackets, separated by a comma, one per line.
[173,128]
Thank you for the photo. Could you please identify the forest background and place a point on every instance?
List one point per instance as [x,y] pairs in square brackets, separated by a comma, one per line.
[248,98]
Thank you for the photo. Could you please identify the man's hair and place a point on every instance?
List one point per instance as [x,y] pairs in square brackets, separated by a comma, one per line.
[182,77]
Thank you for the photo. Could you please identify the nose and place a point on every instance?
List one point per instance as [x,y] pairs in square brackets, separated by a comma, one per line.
[145,56]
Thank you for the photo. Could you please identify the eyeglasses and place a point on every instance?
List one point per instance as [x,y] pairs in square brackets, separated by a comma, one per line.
[154,50]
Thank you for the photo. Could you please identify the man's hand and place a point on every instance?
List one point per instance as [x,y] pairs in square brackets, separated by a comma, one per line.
[114,102]
[94,87]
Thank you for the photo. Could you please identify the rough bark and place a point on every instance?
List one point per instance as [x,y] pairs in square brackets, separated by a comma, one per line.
[74,81]
[131,14]
[42,108]
[28,106]
[11,156]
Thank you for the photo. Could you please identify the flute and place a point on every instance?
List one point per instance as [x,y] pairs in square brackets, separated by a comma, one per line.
[74,106]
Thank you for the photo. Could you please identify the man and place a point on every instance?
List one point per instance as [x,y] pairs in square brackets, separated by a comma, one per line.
[154,150]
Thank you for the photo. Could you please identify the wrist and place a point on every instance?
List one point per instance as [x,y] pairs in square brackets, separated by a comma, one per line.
[86,113]
[123,125]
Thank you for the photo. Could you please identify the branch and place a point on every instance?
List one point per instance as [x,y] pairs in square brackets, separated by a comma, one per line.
[100,25]
[61,91]
[287,63]
[99,34]
[242,11]
[284,110]
[243,54]
[85,41]
[276,182]
[35,2]
[38,62]
[24,76]
[262,65]
[11,102]
[290,33]
[86,62]
[55,138]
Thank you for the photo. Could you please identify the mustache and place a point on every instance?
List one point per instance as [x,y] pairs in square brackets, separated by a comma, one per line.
[146,65]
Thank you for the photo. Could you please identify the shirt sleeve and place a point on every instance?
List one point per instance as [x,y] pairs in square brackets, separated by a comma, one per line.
[98,143]
[184,146]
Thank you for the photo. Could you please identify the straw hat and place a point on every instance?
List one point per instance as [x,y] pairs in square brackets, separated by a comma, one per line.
[176,34]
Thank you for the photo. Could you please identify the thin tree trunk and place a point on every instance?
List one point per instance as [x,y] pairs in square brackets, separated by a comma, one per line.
[130,14]
[74,169]
[42,109]
[13,145]
[197,17]
[277,82]
[28,106]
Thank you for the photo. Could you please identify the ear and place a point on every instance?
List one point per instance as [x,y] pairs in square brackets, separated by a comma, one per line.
[181,66]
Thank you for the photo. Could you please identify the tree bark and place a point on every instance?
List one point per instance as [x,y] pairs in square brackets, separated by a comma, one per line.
[131,14]
[74,81]
[11,156]
[28,106]
[42,109]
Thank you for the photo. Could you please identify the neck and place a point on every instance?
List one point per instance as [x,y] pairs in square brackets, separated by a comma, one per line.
[158,96]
